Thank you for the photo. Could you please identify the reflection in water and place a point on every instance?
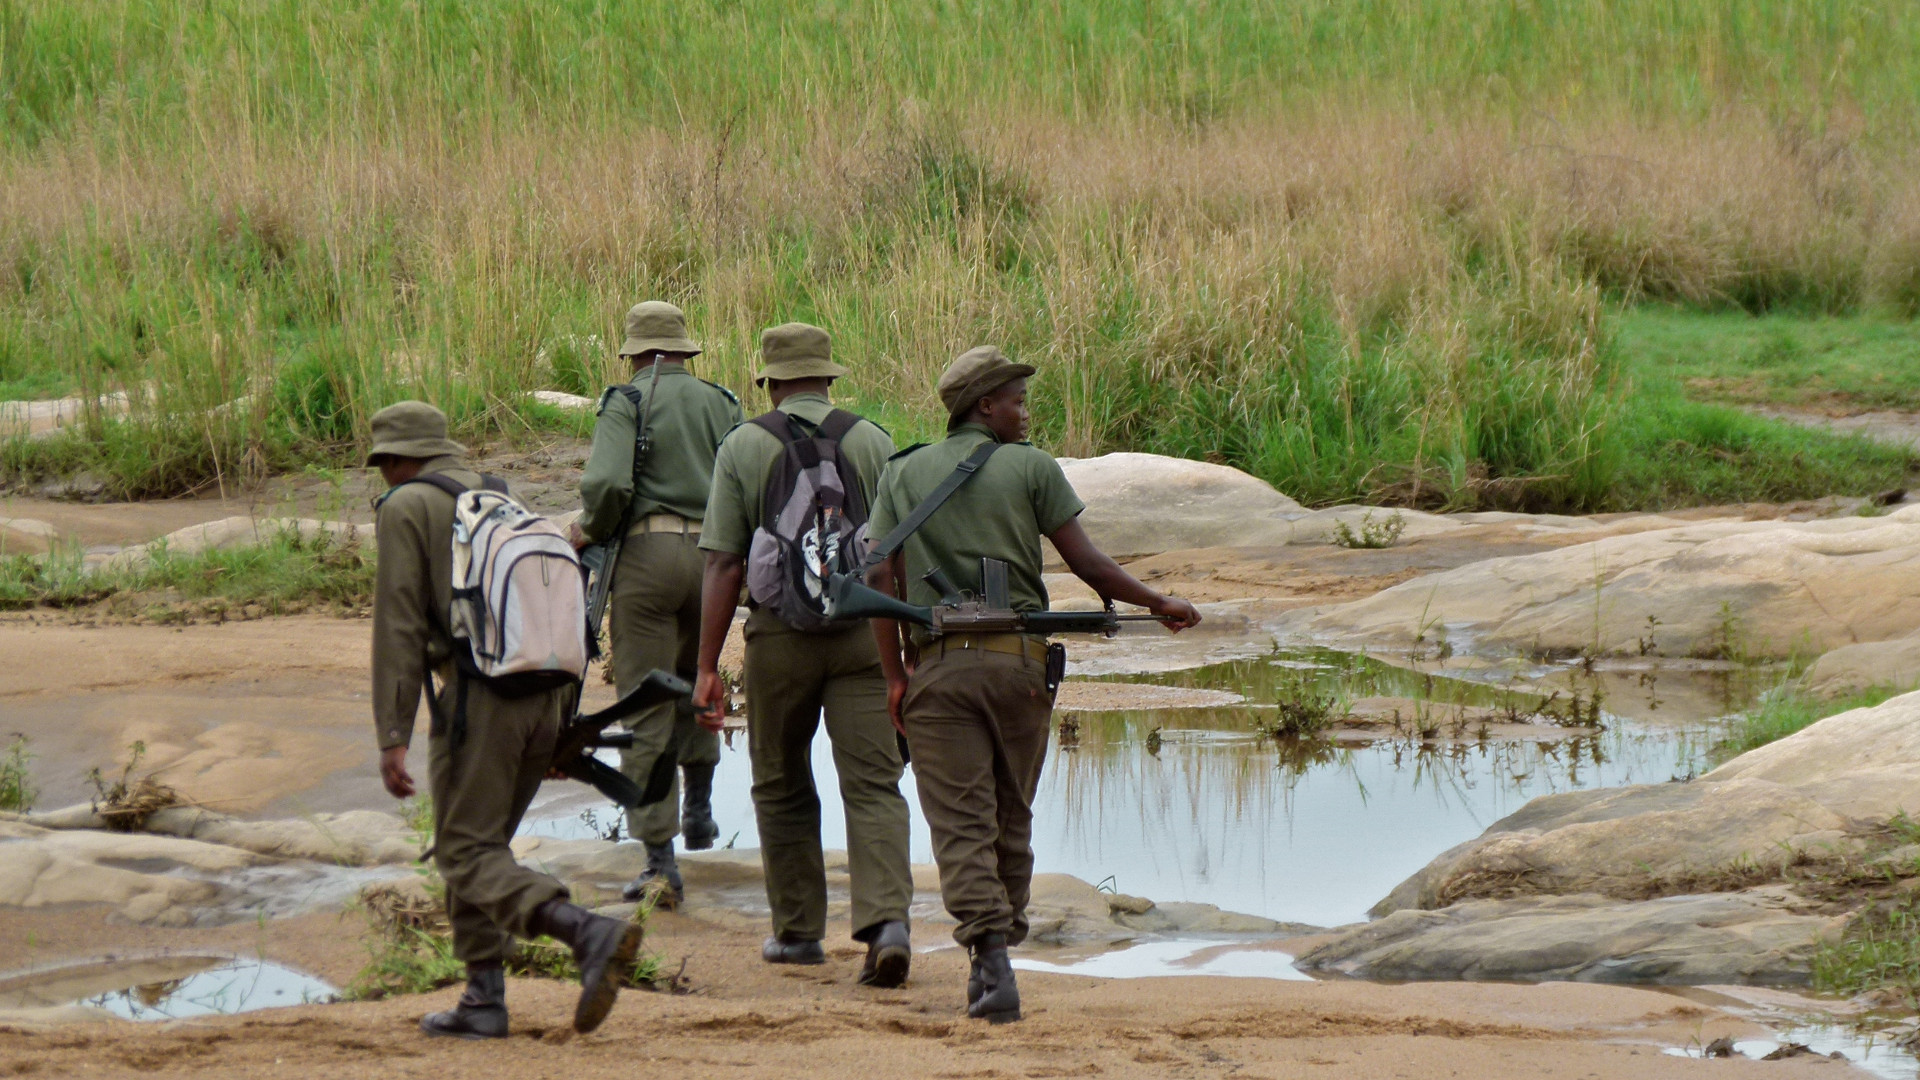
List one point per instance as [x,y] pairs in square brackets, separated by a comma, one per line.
[1173,956]
[1191,804]
[1305,832]
[231,987]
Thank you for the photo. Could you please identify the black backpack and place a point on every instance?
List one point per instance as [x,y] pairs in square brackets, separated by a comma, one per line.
[813,521]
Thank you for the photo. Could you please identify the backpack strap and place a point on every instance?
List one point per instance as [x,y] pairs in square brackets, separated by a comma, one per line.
[777,424]
[454,487]
[961,473]
[453,721]
[837,425]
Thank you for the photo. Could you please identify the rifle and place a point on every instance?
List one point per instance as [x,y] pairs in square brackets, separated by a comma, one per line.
[963,613]
[597,561]
[581,736]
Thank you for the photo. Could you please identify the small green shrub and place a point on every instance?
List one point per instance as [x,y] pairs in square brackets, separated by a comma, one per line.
[16,781]
[1373,534]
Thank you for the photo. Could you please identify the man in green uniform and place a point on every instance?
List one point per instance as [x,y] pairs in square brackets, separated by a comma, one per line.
[482,775]
[655,603]
[792,676]
[975,707]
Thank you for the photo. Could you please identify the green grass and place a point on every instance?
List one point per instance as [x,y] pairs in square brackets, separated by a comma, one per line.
[284,573]
[1787,710]
[1850,363]
[17,790]
[139,65]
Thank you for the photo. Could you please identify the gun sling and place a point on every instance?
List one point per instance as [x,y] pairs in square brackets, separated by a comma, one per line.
[936,498]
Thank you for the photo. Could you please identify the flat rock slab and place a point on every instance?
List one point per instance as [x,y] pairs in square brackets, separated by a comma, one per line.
[1764,589]
[1557,890]
[728,887]
[1757,936]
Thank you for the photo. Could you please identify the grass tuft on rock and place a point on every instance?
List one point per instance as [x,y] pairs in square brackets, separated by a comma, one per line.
[17,790]
[284,574]
[1788,709]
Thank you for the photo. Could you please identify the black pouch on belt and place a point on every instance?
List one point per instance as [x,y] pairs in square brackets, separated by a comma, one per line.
[1056,666]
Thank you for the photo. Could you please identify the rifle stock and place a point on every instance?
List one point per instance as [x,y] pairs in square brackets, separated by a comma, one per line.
[581,736]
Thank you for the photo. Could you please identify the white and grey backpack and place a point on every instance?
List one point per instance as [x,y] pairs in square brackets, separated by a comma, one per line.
[519,597]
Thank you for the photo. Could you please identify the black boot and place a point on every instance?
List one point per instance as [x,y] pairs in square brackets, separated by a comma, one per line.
[662,867]
[889,956]
[697,826]
[999,1001]
[481,1012]
[603,948]
[781,950]
[975,982]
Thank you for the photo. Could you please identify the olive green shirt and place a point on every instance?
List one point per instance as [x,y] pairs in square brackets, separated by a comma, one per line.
[746,461]
[686,420]
[412,596]
[1017,497]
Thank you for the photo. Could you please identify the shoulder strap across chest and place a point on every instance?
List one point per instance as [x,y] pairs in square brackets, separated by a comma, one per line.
[936,498]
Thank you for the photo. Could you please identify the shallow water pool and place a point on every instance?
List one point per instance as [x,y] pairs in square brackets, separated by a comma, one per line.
[1195,805]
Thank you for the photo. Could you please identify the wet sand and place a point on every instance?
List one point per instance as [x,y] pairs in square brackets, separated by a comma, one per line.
[746,1018]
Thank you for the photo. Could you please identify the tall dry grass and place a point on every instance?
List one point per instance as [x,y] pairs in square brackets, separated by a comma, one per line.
[1348,304]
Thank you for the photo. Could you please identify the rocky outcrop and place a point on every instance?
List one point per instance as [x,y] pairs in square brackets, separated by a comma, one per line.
[26,536]
[1141,504]
[237,532]
[1757,936]
[1762,589]
[1852,668]
[728,887]
[1675,882]
[38,419]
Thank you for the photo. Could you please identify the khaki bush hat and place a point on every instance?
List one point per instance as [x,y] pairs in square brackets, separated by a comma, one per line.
[411,429]
[656,326]
[796,350]
[973,375]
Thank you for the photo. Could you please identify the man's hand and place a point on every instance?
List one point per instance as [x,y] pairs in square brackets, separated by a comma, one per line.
[1176,613]
[896,703]
[393,772]
[575,537]
[710,700]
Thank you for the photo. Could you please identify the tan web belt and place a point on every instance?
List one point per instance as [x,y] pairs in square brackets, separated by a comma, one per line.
[665,523]
[1032,648]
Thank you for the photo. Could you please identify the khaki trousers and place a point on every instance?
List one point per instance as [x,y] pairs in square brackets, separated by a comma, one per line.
[480,791]
[655,623]
[791,679]
[977,725]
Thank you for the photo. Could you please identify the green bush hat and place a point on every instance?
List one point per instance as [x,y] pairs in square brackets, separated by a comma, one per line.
[973,375]
[796,350]
[656,326]
[411,429]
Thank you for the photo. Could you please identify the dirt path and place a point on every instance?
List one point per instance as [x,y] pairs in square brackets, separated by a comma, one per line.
[749,1019]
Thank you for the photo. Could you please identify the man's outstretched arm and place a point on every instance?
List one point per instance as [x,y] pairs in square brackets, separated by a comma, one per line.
[1106,577]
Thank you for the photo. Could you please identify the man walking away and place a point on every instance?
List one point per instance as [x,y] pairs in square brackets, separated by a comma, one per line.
[976,707]
[793,674]
[483,773]
[659,498]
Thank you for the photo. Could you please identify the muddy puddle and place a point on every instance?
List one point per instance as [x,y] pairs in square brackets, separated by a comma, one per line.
[164,986]
[1195,804]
